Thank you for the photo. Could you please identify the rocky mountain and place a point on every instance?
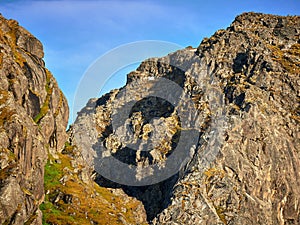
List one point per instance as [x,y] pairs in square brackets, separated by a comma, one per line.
[207,135]
[43,179]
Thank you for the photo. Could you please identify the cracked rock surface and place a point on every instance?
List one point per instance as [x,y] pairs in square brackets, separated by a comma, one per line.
[33,119]
[244,166]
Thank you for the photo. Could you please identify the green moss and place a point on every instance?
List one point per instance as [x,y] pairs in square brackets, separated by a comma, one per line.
[52,215]
[89,201]
[52,176]
[12,156]
[45,107]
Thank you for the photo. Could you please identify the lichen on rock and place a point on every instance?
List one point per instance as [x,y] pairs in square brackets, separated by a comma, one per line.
[244,168]
[27,90]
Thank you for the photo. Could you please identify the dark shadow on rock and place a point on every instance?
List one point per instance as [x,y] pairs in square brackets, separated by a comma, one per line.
[240,62]
[155,198]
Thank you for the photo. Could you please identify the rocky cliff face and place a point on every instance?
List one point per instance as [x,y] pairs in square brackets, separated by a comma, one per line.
[33,119]
[43,178]
[255,177]
[243,167]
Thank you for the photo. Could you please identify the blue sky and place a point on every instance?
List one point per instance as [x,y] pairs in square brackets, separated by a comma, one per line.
[76,33]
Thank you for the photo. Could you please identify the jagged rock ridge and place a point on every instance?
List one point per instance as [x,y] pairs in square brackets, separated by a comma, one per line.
[253,69]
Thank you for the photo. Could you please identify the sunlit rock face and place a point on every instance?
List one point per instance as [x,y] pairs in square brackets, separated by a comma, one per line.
[33,119]
[243,168]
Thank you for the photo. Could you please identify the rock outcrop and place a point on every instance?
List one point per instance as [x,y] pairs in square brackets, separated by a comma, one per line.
[33,119]
[255,177]
[243,168]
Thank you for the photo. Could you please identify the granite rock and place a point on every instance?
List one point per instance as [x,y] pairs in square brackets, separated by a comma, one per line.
[33,119]
[244,166]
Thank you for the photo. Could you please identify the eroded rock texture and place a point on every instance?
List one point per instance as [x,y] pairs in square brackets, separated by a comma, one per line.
[35,149]
[244,167]
[33,119]
[255,178]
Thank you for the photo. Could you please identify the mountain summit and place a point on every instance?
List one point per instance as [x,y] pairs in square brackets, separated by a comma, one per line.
[243,166]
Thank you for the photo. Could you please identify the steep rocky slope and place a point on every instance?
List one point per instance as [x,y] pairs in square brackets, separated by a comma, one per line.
[40,172]
[243,167]
[255,178]
[33,119]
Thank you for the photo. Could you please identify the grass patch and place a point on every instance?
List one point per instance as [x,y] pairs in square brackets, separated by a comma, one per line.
[87,202]
[52,215]
[52,176]
[45,107]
